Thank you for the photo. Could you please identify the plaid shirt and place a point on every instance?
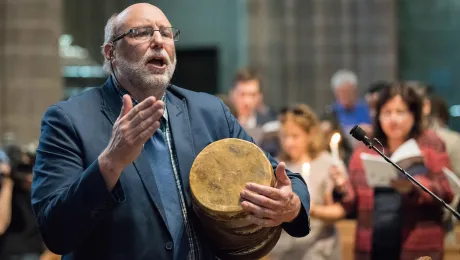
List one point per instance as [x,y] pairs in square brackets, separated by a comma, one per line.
[165,129]
[422,230]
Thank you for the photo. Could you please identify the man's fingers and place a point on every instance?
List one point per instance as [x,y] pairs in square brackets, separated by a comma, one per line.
[261,222]
[143,136]
[281,176]
[140,107]
[258,211]
[260,200]
[146,123]
[266,191]
[150,111]
[126,107]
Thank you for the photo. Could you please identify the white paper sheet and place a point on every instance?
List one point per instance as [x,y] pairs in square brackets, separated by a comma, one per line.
[379,172]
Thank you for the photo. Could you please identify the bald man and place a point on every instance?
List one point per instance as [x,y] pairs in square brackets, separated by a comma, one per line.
[112,169]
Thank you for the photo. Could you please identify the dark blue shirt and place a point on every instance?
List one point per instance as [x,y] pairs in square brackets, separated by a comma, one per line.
[163,162]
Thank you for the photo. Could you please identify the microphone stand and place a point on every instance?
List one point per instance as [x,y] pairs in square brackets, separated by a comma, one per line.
[413,180]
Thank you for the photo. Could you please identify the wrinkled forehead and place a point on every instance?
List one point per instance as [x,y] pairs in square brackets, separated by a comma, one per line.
[143,17]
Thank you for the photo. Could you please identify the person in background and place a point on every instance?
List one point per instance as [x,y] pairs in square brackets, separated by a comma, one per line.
[348,110]
[435,119]
[436,134]
[22,239]
[425,91]
[247,97]
[304,151]
[372,95]
[6,192]
[439,120]
[264,109]
[402,221]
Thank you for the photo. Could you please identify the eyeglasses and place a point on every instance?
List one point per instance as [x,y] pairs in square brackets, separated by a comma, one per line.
[143,34]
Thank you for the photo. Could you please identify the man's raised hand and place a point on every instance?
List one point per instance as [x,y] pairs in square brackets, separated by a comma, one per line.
[133,127]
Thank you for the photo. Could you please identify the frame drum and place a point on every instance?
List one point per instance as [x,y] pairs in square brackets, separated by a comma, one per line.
[218,175]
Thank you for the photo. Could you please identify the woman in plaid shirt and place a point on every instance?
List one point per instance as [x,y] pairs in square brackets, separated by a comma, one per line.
[402,222]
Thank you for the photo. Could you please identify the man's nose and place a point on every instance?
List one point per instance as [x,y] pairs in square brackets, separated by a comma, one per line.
[157,40]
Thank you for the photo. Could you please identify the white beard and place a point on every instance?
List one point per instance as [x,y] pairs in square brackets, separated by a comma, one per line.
[142,78]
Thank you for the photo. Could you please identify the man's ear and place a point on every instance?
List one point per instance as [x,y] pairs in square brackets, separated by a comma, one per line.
[108,51]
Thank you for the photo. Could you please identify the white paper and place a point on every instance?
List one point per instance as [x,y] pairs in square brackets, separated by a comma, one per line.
[256,133]
[453,179]
[407,150]
[380,173]
[271,126]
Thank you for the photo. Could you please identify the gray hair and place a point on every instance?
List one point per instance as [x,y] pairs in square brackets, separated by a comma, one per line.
[109,33]
[343,76]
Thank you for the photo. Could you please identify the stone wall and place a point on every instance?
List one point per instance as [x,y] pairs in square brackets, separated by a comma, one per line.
[30,77]
[299,44]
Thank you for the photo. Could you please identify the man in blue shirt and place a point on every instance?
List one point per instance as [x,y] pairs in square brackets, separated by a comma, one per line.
[111,178]
[348,110]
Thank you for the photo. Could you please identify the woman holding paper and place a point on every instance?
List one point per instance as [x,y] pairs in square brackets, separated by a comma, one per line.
[304,151]
[399,221]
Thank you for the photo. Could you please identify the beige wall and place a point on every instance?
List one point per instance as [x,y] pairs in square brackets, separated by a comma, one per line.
[30,78]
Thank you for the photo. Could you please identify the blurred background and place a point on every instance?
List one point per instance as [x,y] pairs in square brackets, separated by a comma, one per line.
[51,50]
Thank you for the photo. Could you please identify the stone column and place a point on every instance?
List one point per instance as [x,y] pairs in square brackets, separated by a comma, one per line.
[30,72]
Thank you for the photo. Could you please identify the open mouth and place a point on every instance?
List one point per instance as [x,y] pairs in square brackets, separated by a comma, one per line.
[158,62]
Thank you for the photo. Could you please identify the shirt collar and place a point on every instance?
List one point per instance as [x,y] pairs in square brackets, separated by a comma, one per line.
[121,92]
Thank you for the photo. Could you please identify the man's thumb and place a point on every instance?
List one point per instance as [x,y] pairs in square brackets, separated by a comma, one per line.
[281,177]
[127,106]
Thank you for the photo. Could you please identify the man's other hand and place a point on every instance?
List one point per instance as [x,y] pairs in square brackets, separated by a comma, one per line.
[271,206]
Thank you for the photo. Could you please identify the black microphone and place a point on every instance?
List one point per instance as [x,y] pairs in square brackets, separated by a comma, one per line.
[360,135]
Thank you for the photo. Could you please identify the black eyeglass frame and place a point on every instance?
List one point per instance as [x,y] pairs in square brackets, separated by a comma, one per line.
[176,32]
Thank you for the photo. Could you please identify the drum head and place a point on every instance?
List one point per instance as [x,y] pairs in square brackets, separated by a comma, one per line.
[221,171]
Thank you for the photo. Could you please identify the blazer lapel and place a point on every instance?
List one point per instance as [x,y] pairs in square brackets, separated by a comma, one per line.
[111,108]
[111,101]
[182,139]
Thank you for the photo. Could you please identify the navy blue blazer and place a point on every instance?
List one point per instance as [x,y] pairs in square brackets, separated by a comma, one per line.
[80,219]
